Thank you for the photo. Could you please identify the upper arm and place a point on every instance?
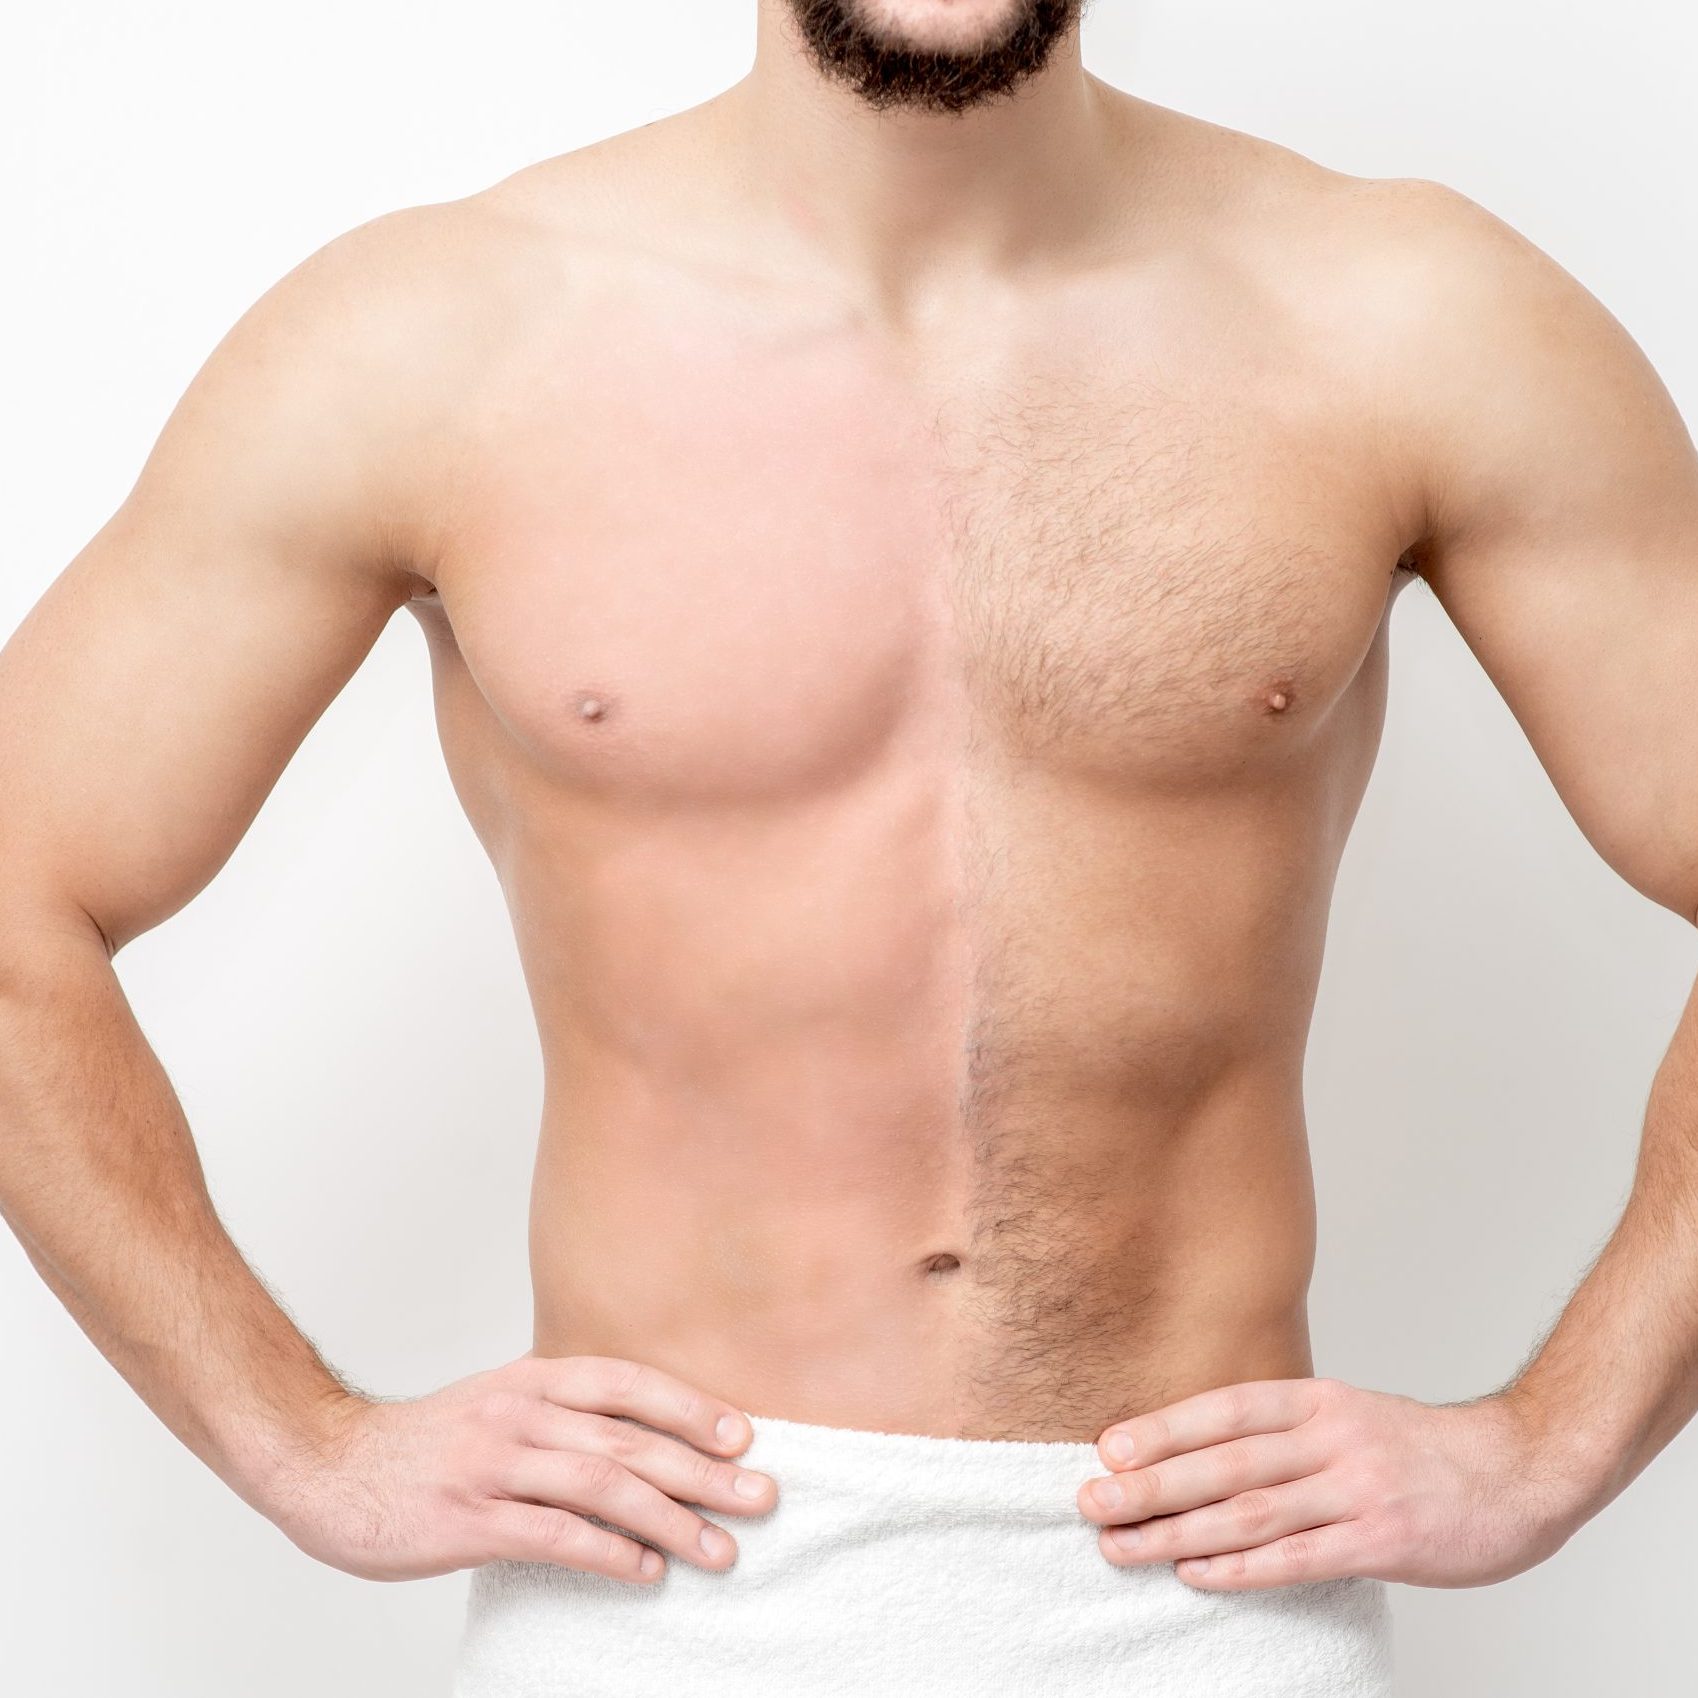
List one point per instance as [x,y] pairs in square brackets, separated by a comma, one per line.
[154,693]
[1561,492]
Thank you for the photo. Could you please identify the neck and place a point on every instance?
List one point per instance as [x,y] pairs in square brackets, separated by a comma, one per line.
[908,201]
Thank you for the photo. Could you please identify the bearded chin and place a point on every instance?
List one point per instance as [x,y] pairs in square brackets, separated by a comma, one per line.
[889,74]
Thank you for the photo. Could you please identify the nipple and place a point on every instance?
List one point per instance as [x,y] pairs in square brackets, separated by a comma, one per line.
[1278,699]
[592,708]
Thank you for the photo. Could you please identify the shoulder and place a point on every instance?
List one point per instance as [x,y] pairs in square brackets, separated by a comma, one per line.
[1463,355]
[1368,260]
[402,289]
[1374,256]
[323,420]
[1438,292]
[1424,253]
[1491,352]
[361,326]
[424,286]
[353,383]
[1436,313]
[448,290]
[1516,399]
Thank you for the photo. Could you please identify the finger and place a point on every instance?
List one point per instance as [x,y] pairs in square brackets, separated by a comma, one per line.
[598,1485]
[1240,1523]
[678,1469]
[611,1385]
[1199,1477]
[1319,1553]
[530,1532]
[1211,1417]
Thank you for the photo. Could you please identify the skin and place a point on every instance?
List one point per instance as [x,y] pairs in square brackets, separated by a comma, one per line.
[908,600]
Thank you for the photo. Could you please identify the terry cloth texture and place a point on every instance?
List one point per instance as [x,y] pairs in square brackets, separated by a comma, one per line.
[896,1565]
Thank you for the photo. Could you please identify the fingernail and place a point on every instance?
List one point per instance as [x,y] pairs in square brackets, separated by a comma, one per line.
[1108,1493]
[1198,1565]
[1126,1537]
[749,1485]
[715,1542]
[730,1429]
[649,1562]
[1117,1447]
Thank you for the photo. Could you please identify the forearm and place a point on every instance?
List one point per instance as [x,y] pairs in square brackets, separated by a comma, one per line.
[100,1180]
[1617,1376]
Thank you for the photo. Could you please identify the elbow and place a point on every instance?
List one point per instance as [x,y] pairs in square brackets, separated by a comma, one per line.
[109,945]
[38,937]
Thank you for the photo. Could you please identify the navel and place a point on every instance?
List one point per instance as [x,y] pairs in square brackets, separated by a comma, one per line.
[942,1263]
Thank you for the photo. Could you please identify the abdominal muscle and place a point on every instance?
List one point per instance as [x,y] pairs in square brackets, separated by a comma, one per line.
[826,1301]
[851,1122]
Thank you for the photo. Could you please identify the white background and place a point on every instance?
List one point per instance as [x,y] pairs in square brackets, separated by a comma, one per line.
[342,1010]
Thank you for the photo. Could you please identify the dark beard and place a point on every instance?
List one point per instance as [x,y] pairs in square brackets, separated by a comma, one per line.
[886,74]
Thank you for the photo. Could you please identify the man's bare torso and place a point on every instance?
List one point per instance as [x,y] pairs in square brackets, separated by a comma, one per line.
[917,755]
[909,602]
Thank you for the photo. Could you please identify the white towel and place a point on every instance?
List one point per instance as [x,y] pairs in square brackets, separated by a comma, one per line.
[904,1566]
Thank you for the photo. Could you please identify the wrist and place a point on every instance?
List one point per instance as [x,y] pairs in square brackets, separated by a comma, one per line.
[273,1463]
[1571,1466]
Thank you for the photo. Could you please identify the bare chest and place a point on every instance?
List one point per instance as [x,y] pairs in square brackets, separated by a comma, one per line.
[685,565]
